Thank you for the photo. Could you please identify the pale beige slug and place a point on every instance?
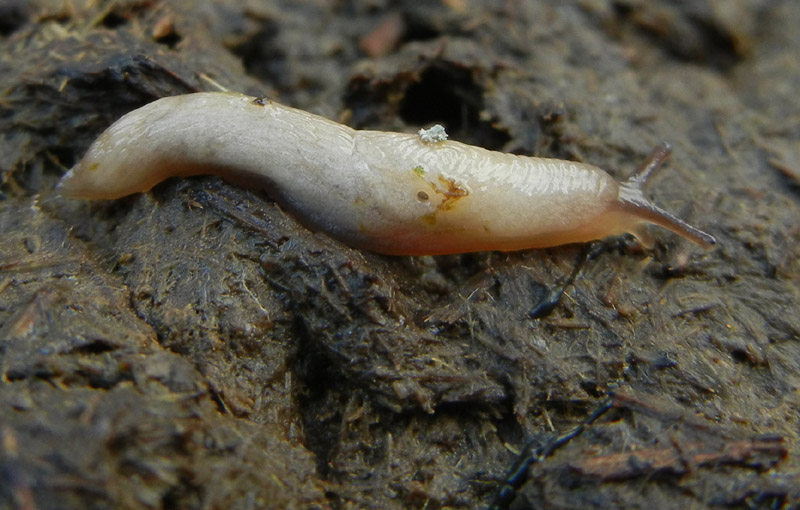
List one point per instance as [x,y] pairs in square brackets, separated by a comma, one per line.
[391,193]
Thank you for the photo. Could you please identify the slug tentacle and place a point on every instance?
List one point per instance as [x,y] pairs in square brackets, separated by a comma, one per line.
[633,201]
[648,167]
[392,193]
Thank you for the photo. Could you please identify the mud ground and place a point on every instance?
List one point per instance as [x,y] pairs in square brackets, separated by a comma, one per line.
[195,347]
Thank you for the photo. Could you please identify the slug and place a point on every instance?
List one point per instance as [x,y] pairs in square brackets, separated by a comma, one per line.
[391,193]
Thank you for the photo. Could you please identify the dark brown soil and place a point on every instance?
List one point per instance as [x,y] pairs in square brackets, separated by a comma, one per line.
[195,347]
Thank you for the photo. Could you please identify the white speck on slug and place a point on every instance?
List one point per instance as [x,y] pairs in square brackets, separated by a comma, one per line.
[433,135]
[392,193]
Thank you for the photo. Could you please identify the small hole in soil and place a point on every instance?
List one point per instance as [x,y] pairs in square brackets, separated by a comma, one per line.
[170,40]
[449,95]
[114,20]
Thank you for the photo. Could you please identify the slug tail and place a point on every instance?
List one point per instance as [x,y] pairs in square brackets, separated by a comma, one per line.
[633,201]
[64,187]
[76,184]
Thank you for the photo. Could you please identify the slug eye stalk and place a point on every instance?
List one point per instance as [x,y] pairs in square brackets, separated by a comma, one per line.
[632,200]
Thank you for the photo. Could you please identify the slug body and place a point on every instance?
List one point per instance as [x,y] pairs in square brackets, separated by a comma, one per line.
[390,193]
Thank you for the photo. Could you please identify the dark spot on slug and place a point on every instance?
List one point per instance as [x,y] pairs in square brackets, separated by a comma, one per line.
[260,101]
[422,196]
